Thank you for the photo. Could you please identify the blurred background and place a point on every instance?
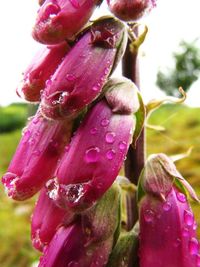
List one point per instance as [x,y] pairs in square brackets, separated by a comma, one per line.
[169,58]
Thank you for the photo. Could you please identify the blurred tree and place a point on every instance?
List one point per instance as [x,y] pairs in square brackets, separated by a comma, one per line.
[186,69]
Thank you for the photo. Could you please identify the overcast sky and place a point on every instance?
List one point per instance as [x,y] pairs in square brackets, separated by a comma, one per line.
[170,22]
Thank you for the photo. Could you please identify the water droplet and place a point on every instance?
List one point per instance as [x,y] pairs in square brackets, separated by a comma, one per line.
[106,71]
[193,246]
[70,77]
[194,226]
[110,154]
[122,145]
[93,130]
[177,242]
[110,137]
[95,88]
[67,148]
[51,9]
[48,82]
[105,122]
[92,154]
[52,187]
[185,232]
[167,206]
[181,197]
[198,260]
[149,216]
[74,192]
[75,3]
[188,217]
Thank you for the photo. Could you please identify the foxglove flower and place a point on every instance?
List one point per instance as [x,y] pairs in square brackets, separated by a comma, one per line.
[89,240]
[99,145]
[36,157]
[129,10]
[40,70]
[74,85]
[167,225]
[46,219]
[58,20]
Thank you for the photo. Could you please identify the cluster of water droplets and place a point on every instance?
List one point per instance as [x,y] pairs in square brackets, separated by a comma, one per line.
[190,226]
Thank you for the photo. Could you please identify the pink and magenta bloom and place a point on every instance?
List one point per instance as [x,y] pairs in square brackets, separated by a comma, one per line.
[89,239]
[130,10]
[102,141]
[167,224]
[58,20]
[35,160]
[40,70]
[80,77]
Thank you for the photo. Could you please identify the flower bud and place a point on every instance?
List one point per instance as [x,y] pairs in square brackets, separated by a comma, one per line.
[39,72]
[46,219]
[89,240]
[36,157]
[74,85]
[58,20]
[167,224]
[130,10]
[102,141]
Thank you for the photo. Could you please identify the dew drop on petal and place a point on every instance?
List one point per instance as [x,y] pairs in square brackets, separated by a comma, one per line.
[95,88]
[70,77]
[93,131]
[193,246]
[181,197]
[149,216]
[48,82]
[122,145]
[92,154]
[194,226]
[110,154]
[73,192]
[185,232]
[51,9]
[110,137]
[167,206]
[188,218]
[105,122]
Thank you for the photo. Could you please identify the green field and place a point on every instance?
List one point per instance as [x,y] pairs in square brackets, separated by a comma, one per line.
[182,131]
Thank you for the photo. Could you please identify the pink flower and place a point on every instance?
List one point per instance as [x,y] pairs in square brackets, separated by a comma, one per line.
[128,10]
[39,72]
[167,224]
[58,20]
[36,157]
[46,219]
[89,239]
[97,150]
[83,72]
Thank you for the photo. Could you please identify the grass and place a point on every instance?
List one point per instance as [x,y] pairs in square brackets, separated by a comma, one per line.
[182,130]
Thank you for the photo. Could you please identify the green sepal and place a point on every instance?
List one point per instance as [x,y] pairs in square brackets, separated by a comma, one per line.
[140,116]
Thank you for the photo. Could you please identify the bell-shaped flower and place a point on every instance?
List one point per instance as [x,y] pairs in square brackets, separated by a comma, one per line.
[58,20]
[130,10]
[98,148]
[35,160]
[83,72]
[39,72]
[167,225]
[88,241]
[46,219]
